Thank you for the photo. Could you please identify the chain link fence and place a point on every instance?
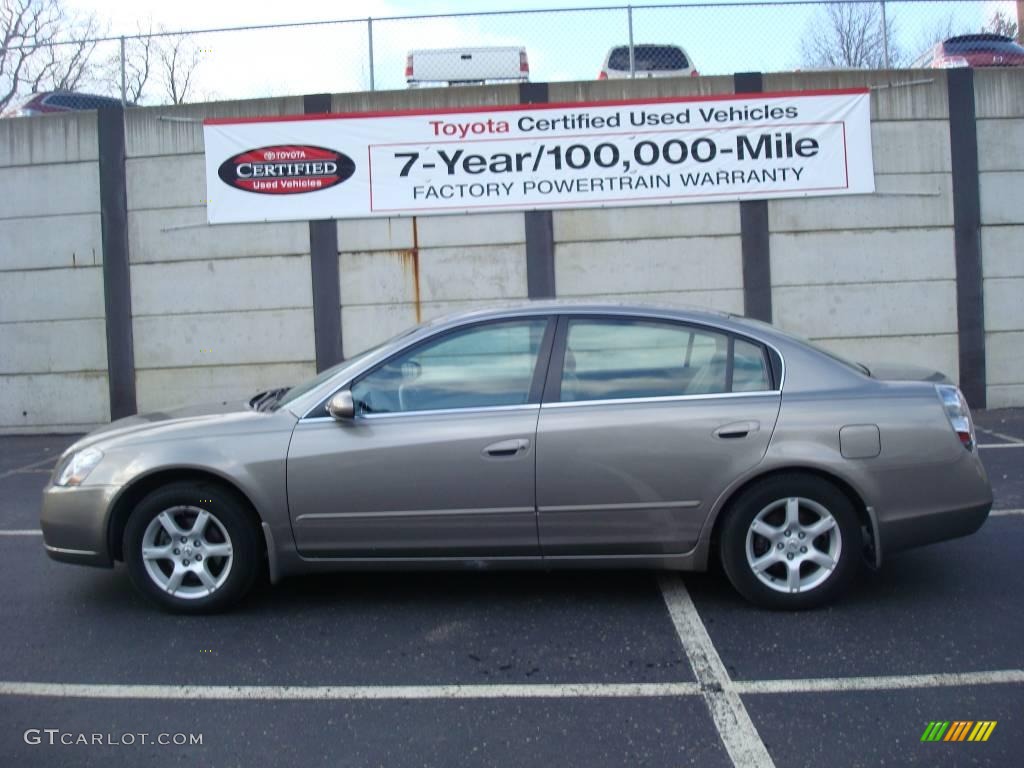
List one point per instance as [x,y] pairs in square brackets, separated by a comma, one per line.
[654,40]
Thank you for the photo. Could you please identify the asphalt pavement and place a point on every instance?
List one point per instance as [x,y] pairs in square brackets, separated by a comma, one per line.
[612,668]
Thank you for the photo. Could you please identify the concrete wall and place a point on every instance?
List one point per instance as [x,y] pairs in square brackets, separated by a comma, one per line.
[873,277]
[218,312]
[999,102]
[53,351]
[221,312]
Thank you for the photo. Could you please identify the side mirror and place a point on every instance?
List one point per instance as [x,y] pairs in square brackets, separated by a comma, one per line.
[341,405]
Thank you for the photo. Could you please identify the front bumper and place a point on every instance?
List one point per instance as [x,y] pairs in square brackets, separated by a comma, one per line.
[74,523]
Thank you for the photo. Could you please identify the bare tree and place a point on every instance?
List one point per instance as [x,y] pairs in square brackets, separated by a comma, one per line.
[1000,23]
[65,67]
[31,59]
[139,64]
[849,36]
[177,58]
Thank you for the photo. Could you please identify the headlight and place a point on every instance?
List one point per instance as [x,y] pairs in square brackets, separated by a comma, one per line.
[78,466]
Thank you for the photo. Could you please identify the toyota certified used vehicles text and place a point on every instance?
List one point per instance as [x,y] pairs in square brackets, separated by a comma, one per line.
[537,437]
[980,50]
[649,60]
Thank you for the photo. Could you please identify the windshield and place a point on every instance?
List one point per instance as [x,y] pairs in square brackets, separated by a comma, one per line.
[299,390]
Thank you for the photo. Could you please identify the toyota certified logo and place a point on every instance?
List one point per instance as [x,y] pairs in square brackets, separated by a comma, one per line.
[286,169]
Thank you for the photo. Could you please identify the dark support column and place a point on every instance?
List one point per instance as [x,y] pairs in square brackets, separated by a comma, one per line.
[757,265]
[323,263]
[117,289]
[970,305]
[540,233]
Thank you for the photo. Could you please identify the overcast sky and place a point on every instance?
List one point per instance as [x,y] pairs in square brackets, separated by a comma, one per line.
[564,46]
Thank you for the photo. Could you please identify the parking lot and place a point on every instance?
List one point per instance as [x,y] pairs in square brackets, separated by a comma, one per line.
[562,669]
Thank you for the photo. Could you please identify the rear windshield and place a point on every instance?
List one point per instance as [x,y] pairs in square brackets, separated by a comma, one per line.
[648,58]
[982,44]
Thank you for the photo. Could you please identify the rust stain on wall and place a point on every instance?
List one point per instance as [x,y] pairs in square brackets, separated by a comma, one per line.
[411,261]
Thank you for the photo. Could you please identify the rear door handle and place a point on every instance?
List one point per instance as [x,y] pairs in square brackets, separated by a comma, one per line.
[736,430]
[507,447]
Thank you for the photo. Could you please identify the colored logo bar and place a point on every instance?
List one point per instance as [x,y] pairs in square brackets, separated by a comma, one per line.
[958,730]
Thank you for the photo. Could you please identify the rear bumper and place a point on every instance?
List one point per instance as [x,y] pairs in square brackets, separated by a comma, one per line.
[74,524]
[908,532]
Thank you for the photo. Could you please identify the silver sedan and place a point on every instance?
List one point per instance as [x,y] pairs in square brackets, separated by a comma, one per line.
[550,435]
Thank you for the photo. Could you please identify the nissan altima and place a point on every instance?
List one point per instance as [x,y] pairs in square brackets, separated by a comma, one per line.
[543,436]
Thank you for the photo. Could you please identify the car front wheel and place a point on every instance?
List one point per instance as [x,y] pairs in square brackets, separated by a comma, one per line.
[791,542]
[192,548]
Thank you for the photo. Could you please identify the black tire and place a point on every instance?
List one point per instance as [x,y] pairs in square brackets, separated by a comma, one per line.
[229,515]
[774,490]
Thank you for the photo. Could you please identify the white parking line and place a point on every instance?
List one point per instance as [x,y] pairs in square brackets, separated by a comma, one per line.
[352,692]
[33,465]
[22,532]
[881,683]
[999,445]
[737,731]
[1000,435]
[1002,512]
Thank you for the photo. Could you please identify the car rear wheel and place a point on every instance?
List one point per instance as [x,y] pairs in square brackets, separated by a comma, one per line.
[192,548]
[791,542]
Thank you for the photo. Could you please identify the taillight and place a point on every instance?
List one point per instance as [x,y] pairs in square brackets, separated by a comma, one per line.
[694,73]
[524,63]
[408,66]
[958,413]
[602,75]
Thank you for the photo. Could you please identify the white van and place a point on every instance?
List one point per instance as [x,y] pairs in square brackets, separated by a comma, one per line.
[466,66]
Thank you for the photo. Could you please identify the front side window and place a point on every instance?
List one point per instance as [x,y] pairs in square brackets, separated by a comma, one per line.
[626,359]
[482,366]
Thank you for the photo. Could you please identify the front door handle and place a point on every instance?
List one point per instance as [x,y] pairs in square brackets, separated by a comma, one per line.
[736,430]
[507,447]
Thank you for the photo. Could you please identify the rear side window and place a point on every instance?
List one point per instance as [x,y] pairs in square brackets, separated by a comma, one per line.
[648,58]
[612,359]
[749,368]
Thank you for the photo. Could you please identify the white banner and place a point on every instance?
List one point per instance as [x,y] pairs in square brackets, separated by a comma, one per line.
[645,152]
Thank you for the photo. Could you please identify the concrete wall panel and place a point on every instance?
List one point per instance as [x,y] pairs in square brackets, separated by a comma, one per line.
[53,402]
[1001,201]
[937,351]
[171,181]
[66,138]
[915,200]
[999,92]
[1001,144]
[162,388]
[224,338]
[1002,251]
[1004,310]
[49,190]
[54,241]
[148,131]
[862,256]
[221,285]
[870,309]
[182,233]
[51,294]
[669,264]
[642,222]
[61,346]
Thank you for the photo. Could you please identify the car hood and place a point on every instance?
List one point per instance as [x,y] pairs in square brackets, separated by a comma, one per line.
[174,423]
[902,372]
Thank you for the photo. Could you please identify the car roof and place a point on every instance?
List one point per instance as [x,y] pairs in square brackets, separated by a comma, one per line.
[698,315]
